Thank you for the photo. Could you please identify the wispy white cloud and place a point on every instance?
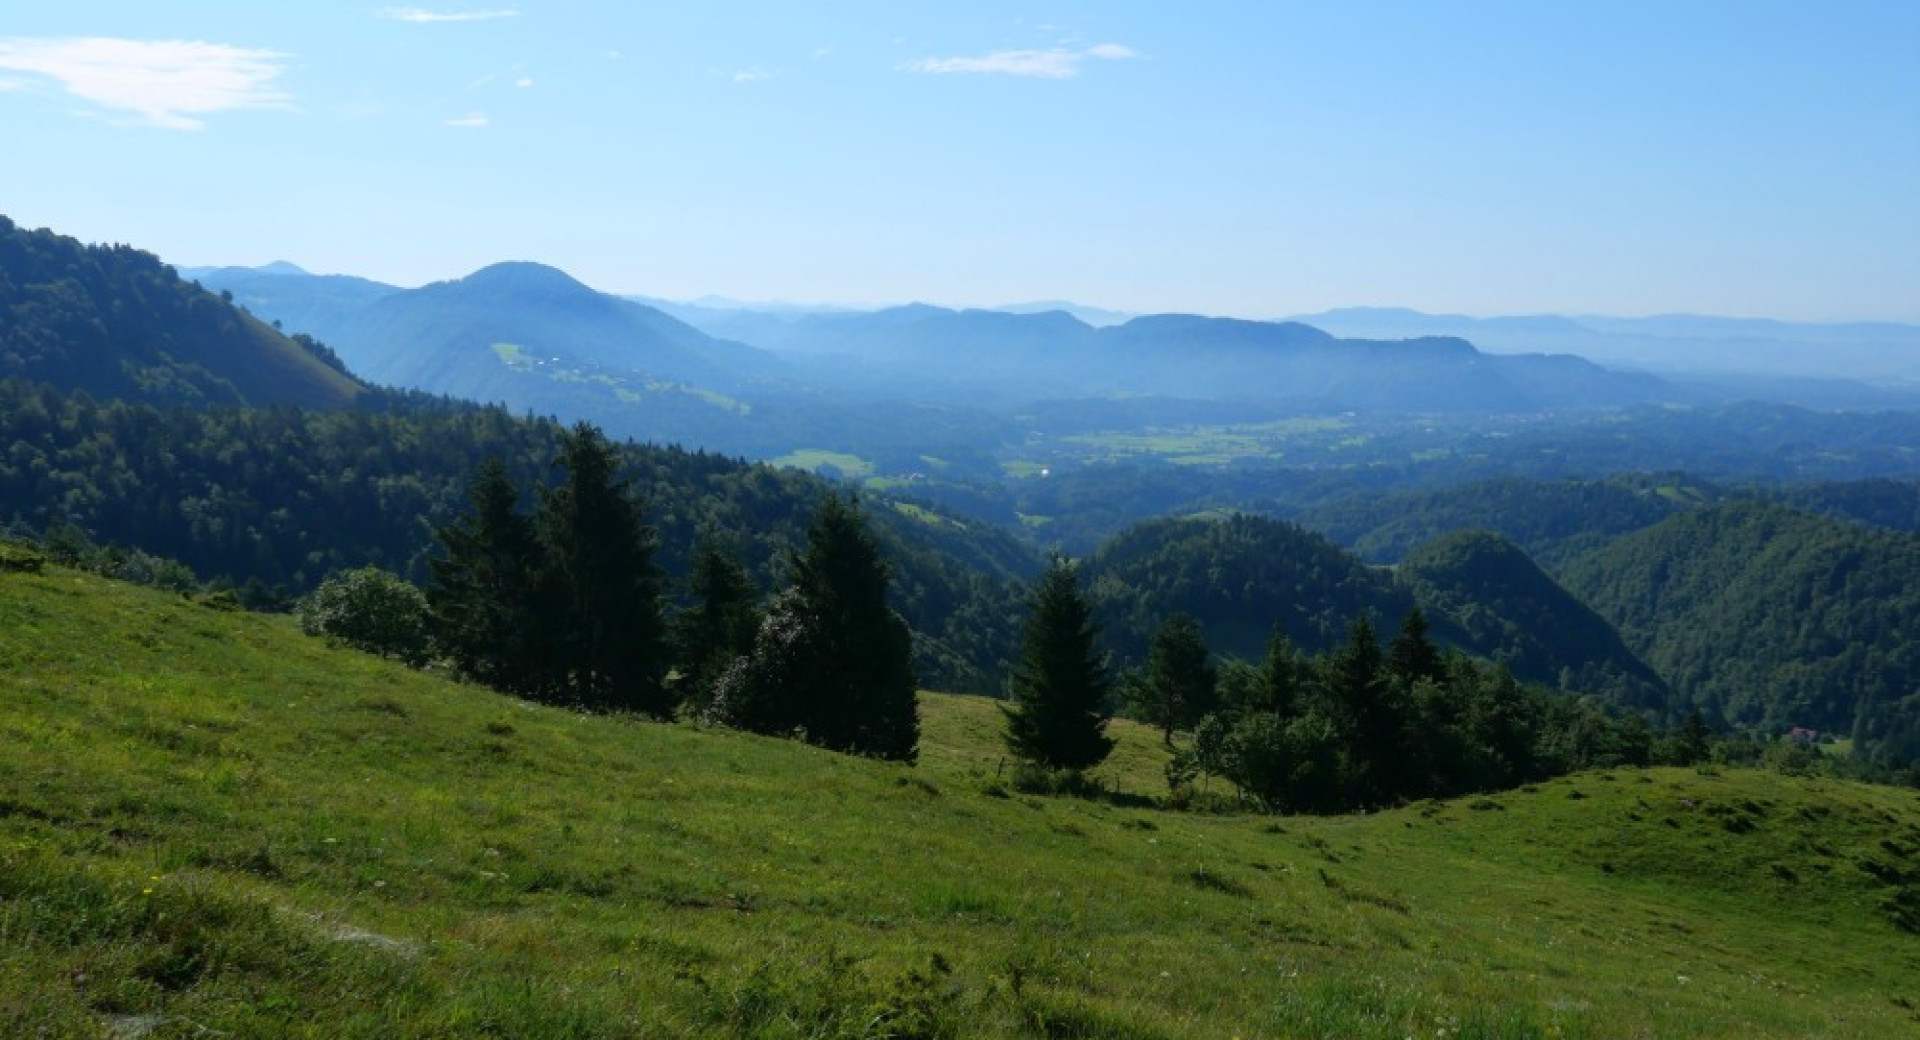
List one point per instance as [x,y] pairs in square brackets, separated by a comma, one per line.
[750,75]
[523,82]
[1054,63]
[470,121]
[166,83]
[422,16]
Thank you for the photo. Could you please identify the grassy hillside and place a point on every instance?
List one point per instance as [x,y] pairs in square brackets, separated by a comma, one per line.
[210,823]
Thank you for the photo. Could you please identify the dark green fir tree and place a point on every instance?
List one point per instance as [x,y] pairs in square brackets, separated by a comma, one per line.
[481,598]
[1058,716]
[604,634]
[864,696]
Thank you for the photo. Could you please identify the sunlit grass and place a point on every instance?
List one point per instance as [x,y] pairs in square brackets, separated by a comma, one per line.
[211,823]
[853,467]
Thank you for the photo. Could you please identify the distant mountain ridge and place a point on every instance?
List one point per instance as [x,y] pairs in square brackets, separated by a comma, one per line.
[442,336]
[437,338]
[1873,352]
[526,335]
[1052,354]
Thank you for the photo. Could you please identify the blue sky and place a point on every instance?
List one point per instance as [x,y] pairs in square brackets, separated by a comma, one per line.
[1254,159]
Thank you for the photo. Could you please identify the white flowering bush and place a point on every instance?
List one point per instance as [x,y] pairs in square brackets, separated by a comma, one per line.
[372,610]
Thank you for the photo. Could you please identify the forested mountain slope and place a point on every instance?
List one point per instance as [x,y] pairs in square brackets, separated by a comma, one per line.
[1881,502]
[1549,520]
[1770,616]
[1243,576]
[1240,577]
[284,496]
[116,322]
[1508,609]
[1555,521]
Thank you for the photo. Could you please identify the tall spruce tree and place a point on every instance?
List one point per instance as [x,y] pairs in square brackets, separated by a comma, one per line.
[1280,675]
[1058,717]
[831,658]
[1355,679]
[481,597]
[870,701]
[1413,656]
[604,633]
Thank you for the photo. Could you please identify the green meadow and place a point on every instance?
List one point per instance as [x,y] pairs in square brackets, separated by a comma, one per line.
[853,467]
[211,825]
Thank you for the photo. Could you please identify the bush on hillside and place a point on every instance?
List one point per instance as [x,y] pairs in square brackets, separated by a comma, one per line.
[372,610]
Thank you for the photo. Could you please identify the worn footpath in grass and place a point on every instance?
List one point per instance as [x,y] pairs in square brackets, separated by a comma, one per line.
[211,824]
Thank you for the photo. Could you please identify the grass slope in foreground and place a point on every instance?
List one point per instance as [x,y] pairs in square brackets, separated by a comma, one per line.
[210,823]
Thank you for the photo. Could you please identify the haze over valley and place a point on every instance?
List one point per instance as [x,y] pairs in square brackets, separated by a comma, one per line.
[776,521]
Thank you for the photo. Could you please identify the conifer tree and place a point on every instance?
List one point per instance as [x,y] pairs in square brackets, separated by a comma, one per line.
[604,634]
[482,594]
[1695,743]
[1058,717]
[1412,656]
[831,659]
[1280,675]
[867,693]
[1357,691]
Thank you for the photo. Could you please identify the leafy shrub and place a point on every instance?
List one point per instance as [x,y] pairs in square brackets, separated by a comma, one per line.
[372,610]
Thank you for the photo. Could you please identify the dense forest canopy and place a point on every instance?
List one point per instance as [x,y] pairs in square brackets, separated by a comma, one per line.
[1760,614]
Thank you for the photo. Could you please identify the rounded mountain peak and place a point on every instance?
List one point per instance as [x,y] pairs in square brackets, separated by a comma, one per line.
[524,278]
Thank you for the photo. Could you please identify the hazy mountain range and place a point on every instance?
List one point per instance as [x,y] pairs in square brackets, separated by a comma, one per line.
[1871,352]
[489,334]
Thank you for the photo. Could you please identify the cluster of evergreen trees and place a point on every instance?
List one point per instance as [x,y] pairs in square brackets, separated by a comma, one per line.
[562,605]
[565,605]
[1360,726]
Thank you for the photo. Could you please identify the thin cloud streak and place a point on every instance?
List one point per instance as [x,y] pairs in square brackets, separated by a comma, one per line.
[422,16]
[471,121]
[167,83]
[1056,63]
